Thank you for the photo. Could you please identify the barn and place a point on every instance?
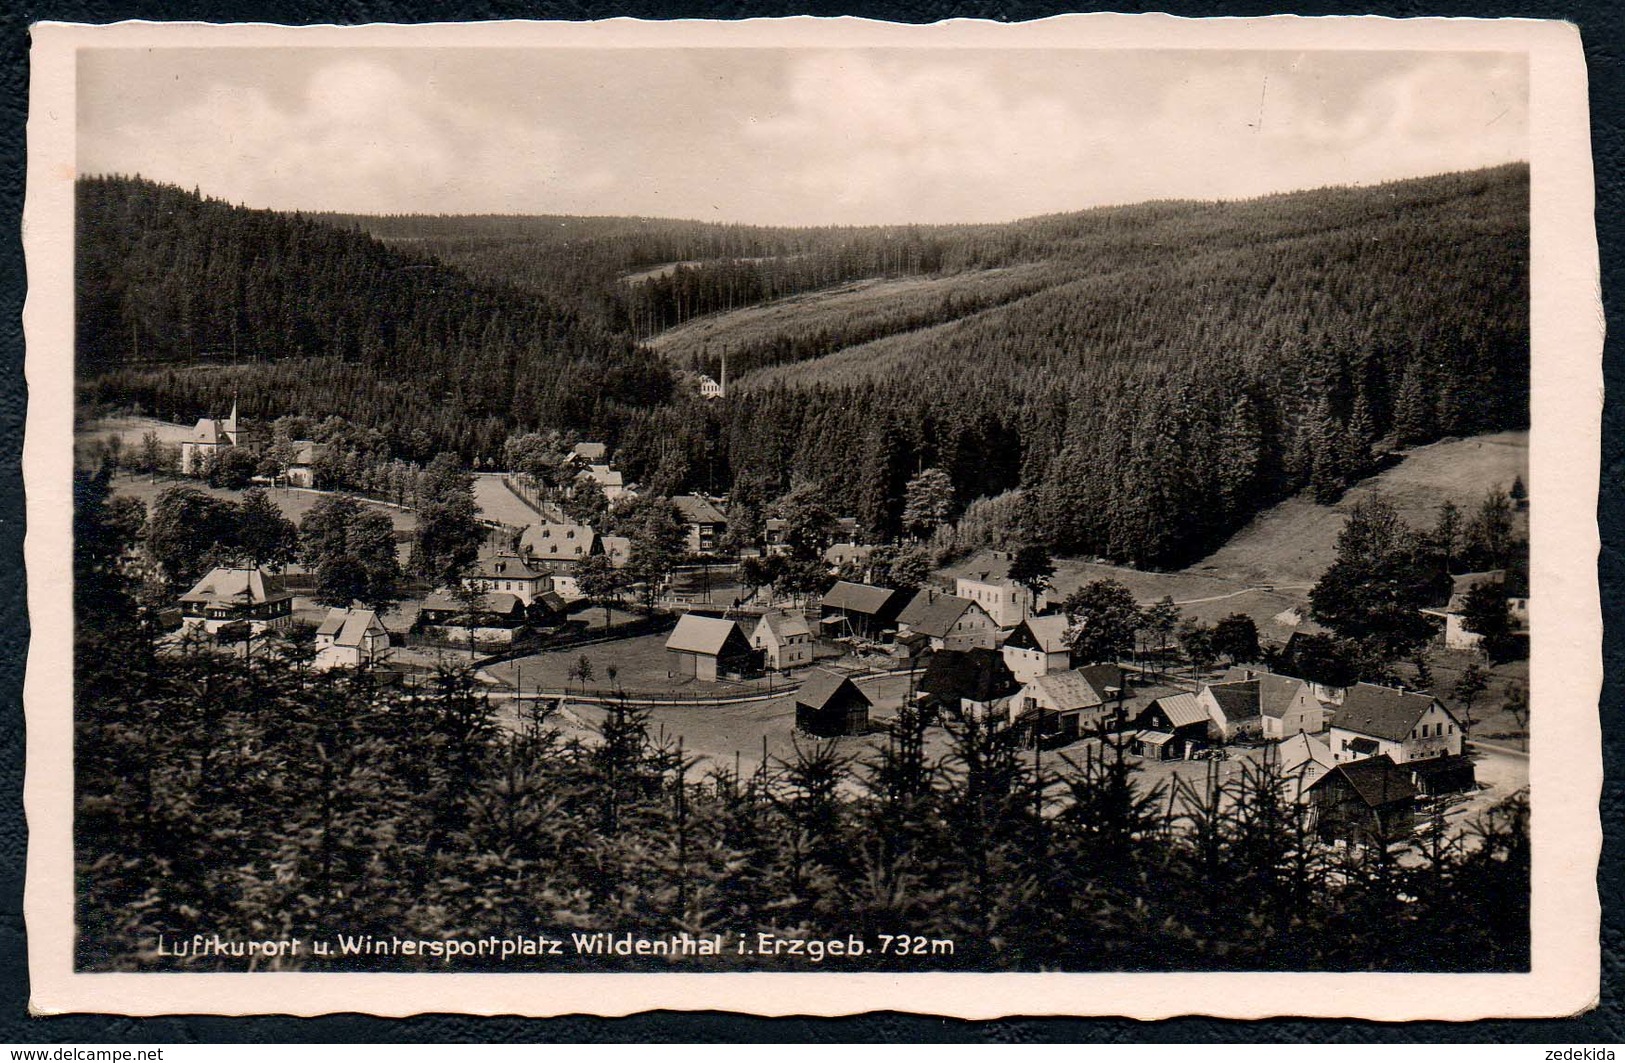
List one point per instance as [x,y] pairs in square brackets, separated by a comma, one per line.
[829,705]
[707,648]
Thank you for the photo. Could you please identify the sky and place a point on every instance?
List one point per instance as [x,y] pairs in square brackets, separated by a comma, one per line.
[785,136]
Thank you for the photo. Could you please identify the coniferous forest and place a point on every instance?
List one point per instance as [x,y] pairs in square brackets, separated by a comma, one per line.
[1150,376]
[256,798]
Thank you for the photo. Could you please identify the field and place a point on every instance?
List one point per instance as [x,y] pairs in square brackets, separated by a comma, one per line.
[850,312]
[294,502]
[1294,542]
[498,503]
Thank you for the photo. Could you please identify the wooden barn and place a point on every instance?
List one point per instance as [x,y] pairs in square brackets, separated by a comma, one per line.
[830,705]
[708,647]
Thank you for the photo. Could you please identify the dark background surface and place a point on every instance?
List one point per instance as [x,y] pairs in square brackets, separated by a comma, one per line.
[1603,34]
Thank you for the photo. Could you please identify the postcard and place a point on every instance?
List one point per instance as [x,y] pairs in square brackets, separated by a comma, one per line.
[813,516]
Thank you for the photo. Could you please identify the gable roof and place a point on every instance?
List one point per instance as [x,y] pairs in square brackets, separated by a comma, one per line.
[697,510]
[841,553]
[349,627]
[604,475]
[1383,712]
[1238,701]
[977,675]
[618,548]
[1070,691]
[989,566]
[784,625]
[1377,781]
[236,586]
[1106,678]
[589,451]
[1276,692]
[501,603]
[1300,749]
[706,635]
[1462,584]
[505,566]
[934,613]
[864,598]
[573,541]
[1182,710]
[1047,633]
[821,686]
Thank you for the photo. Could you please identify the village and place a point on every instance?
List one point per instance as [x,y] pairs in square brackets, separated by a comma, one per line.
[556,614]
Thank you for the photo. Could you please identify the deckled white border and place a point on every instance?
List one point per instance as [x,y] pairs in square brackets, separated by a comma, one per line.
[1566,667]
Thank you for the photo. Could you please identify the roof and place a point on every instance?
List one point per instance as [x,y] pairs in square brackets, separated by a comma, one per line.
[1238,701]
[863,598]
[605,476]
[307,451]
[841,553]
[821,686]
[697,510]
[552,600]
[1276,693]
[986,567]
[783,624]
[349,626]
[1106,678]
[1156,738]
[618,548]
[934,613]
[1070,691]
[1300,749]
[505,566]
[1048,632]
[977,675]
[499,602]
[548,540]
[700,634]
[1377,781]
[589,451]
[1382,712]
[1182,710]
[236,586]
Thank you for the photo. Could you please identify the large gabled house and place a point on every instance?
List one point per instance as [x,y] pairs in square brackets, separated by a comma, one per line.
[557,545]
[972,683]
[708,648]
[490,617]
[209,437]
[1453,613]
[1403,725]
[1233,709]
[706,523]
[830,705]
[859,610]
[230,596]
[946,622]
[785,640]
[1303,759]
[350,638]
[1286,706]
[1061,705]
[1171,727]
[986,581]
[1038,645]
[517,575]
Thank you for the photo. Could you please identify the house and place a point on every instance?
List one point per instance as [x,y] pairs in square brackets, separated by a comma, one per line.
[707,648]
[843,556]
[1456,635]
[1303,759]
[1061,706]
[775,535]
[706,523]
[350,638]
[830,705]
[711,389]
[785,640]
[1286,705]
[948,621]
[859,610]
[301,470]
[618,548]
[974,682]
[1232,710]
[1403,725]
[209,437]
[988,584]
[509,572]
[1038,645]
[236,595]
[555,545]
[588,453]
[493,617]
[1366,802]
[1172,727]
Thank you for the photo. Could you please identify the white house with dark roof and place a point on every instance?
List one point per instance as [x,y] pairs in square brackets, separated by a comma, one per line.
[232,595]
[947,621]
[1233,709]
[350,638]
[1038,645]
[1402,725]
[706,523]
[785,640]
[1286,706]
[987,582]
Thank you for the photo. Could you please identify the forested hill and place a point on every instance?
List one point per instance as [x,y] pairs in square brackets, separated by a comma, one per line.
[1150,376]
[327,320]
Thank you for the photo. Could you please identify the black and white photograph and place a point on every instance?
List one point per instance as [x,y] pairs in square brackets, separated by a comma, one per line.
[541,507]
